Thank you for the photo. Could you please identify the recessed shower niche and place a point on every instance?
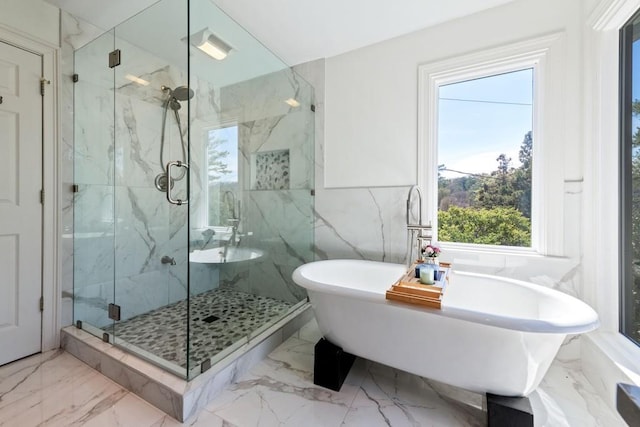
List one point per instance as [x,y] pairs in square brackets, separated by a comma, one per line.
[166,139]
[271,170]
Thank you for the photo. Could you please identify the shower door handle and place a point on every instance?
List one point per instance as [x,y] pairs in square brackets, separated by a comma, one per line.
[177,164]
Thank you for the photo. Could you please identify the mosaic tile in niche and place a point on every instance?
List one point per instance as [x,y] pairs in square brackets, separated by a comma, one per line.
[271,170]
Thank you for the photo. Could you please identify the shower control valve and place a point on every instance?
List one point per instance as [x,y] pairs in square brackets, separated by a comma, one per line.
[168,260]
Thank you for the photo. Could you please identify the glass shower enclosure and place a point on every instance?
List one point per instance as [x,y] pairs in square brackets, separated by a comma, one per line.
[193,180]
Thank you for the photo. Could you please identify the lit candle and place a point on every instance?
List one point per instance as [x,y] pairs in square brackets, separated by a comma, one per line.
[426,276]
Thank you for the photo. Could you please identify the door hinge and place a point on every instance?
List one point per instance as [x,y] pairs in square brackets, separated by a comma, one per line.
[114,312]
[41,304]
[43,82]
[75,78]
[42,197]
[114,58]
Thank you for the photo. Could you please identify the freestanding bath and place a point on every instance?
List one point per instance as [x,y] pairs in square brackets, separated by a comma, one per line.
[492,334]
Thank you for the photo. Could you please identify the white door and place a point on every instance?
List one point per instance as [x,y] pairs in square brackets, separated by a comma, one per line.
[20,206]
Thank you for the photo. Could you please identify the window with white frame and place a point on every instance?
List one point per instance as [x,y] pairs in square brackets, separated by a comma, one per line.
[221,174]
[485,151]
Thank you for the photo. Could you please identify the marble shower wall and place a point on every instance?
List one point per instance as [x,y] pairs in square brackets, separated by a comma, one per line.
[276,218]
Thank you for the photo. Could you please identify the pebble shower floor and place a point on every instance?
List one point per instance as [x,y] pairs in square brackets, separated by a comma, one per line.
[219,318]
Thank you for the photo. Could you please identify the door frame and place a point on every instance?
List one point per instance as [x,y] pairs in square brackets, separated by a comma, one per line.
[51,281]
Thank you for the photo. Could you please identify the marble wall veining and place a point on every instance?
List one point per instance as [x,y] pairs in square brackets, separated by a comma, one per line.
[276,218]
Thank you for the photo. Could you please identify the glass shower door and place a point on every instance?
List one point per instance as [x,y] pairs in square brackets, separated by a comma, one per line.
[150,206]
[93,228]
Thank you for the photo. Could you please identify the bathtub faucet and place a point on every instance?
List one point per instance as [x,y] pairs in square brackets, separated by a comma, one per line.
[229,198]
[420,235]
[416,189]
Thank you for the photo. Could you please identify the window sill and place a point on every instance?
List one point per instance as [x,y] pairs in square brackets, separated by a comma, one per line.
[489,249]
[607,359]
[495,257]
[516,263]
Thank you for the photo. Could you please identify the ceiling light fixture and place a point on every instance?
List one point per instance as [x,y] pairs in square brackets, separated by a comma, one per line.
[292,102]
[135,79]
[210,44]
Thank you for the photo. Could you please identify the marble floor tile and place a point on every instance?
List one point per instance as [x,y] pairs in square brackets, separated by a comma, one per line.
[55,389]
[391,397]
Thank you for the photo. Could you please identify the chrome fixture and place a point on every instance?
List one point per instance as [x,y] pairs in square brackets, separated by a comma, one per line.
[419,233]
[164,181]
[177,164]
[168,260]
[414,188]
[229,199]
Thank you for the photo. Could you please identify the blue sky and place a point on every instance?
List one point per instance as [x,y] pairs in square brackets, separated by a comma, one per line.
[635,86]
[480,119]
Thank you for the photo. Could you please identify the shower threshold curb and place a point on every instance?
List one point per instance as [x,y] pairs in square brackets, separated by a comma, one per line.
[177,397]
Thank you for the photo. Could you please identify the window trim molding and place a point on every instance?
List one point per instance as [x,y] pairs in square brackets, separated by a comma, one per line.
[608,354]
[544,55]
[625,134]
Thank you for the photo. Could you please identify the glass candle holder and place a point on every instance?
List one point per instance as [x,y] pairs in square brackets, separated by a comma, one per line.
[428,274]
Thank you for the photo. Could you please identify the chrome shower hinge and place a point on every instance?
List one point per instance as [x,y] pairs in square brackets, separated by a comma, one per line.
[114,58]
[114,312]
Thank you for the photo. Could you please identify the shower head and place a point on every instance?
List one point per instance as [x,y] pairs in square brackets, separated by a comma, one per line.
[182,93]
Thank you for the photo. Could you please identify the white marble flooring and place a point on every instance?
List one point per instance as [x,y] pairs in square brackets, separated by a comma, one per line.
[55,389]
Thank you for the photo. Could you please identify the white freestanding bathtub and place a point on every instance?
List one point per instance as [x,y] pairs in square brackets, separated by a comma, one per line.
[492,334]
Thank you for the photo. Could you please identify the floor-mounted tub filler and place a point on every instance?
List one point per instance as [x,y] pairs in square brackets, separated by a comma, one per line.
[492,335]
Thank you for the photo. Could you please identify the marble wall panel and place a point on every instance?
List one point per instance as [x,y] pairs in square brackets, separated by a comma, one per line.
[281,223]
[265,96]
[142,216]
[73,35]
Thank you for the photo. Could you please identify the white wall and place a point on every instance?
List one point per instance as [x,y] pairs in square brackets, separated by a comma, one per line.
[31,18]
[371,93]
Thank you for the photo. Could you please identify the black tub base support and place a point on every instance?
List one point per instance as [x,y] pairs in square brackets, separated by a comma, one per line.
[331,365]
[509,411]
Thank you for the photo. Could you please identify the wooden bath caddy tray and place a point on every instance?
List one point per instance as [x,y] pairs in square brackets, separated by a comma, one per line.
[409,289]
